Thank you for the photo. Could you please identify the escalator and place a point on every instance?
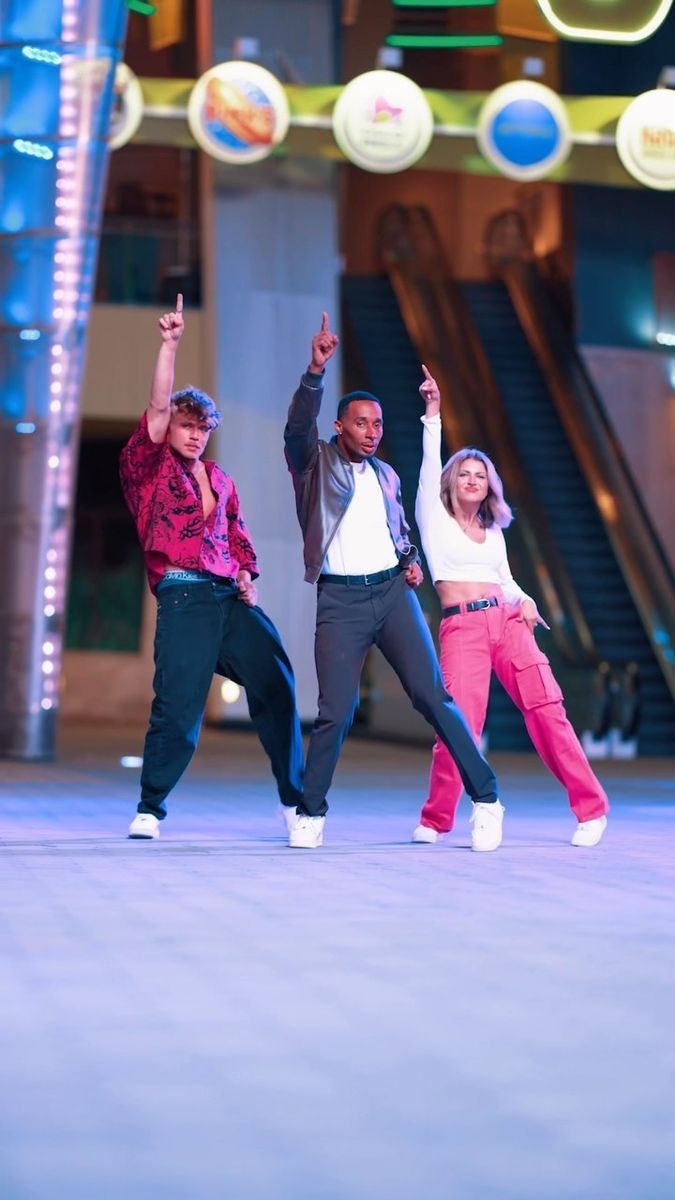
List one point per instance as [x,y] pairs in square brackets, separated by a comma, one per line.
[564,494]
[380,356]
[568,546]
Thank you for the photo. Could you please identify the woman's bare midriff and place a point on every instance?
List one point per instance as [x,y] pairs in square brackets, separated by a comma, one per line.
[460,592]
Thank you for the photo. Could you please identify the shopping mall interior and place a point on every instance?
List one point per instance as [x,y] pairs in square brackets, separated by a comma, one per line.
[486,187]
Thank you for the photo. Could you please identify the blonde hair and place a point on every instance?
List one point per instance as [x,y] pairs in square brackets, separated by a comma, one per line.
[493,510]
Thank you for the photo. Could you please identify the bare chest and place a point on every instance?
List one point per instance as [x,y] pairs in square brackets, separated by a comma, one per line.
[209,500]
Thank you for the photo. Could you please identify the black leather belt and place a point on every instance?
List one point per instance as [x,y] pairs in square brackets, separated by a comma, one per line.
[362,580]
[471,606]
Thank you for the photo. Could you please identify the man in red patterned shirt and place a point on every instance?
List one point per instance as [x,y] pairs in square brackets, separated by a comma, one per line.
[201,565]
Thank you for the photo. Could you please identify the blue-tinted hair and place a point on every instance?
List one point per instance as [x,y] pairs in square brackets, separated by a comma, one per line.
[196,404]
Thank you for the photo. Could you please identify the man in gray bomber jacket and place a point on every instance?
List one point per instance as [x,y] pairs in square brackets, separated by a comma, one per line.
[358,552]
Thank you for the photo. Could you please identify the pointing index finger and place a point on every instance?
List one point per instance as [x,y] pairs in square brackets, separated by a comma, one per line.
[427,373]
[179,302]
[324,322]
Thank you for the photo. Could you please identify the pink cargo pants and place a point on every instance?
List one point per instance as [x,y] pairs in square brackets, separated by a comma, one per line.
[473,644]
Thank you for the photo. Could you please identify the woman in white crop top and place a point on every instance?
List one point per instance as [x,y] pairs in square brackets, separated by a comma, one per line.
[488,624]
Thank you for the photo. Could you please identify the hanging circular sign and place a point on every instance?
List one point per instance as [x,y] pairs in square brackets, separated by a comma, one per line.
[382,122]
[523,130]
[238,112]
[645,139]
[127,109]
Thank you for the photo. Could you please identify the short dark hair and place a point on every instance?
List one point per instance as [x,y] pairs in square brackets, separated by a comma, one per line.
[193,403]
[346,401]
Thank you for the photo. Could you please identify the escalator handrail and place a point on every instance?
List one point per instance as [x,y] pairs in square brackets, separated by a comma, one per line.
[594,443]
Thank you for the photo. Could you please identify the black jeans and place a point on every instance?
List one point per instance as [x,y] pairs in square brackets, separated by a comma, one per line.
[202,629]
[349,621]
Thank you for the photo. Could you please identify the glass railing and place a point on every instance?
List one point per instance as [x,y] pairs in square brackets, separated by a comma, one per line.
[144,262]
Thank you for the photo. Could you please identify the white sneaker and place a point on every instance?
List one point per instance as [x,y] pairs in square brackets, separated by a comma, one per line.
[424,833]
[486,833]
[288,815]
[588,833]
[144,825]
[307,833]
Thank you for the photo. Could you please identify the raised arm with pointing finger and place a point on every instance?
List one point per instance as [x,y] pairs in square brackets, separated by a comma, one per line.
[358,552]
[301,436]
[201,564]
[171,327]
[488,625]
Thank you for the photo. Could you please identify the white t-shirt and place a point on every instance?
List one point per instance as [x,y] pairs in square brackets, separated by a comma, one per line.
[451,555]
[362,544]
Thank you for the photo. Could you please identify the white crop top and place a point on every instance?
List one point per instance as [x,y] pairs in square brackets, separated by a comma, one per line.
[451,555]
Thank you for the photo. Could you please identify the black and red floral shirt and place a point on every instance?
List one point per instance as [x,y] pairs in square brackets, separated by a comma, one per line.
[166,504]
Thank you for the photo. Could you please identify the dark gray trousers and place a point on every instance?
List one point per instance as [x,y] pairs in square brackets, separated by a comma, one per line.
[349,621]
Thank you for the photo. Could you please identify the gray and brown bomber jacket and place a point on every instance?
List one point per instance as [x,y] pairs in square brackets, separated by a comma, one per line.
[323,482]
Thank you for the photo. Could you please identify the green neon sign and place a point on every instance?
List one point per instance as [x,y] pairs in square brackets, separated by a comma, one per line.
[140,6]
[442,41]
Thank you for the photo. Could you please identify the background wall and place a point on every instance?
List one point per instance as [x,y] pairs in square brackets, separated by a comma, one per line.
[271,243]
[616,236]
[122,348]
[461,206]
[276,270]
[638,390]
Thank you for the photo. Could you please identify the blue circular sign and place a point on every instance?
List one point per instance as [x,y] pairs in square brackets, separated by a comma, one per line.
[523,130]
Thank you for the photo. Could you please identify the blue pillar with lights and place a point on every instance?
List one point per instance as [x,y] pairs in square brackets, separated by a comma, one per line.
[57,70]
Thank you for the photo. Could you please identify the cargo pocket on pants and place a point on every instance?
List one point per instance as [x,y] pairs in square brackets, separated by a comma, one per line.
[534,680]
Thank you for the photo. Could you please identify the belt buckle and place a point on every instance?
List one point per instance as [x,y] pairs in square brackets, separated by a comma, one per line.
[483,603]
[366,580]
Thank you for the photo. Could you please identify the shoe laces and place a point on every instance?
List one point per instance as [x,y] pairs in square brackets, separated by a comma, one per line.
[484,814]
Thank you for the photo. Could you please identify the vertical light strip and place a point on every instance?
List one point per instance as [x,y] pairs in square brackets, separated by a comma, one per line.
[57,70]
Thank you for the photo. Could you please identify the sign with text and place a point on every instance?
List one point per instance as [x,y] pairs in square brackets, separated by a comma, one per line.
[523,130]
[645,139]
[382,122]
[238,112]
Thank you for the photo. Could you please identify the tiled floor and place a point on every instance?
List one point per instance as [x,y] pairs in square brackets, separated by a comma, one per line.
[216,1017]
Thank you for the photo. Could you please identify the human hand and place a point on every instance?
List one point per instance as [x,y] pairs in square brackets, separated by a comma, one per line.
[530,614]
[324,345]
[248,592]
[171,324]
[430,393]
[414,575]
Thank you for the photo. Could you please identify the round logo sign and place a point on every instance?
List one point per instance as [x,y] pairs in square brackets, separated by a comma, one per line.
[645,139]
[523,130]
[238,112]
[127,109]
[382,122]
